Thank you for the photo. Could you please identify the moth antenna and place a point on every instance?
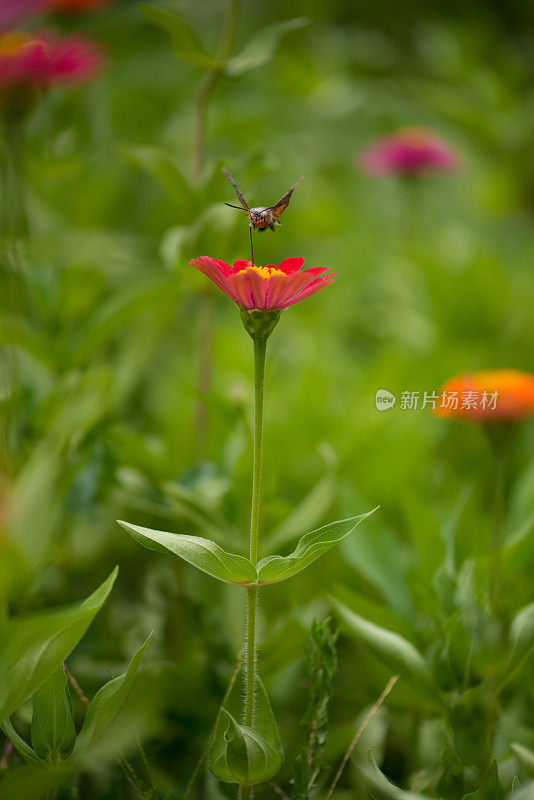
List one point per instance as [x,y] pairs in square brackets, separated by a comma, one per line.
[239,208]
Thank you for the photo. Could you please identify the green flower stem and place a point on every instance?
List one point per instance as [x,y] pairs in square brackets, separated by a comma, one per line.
[260,349]
[250,654]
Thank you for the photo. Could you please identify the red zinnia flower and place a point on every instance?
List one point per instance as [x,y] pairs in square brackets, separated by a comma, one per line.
[42,60]
[270,288]
[409,151]
[488,396]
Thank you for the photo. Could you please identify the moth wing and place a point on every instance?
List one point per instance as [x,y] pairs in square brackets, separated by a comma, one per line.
[238,193]
[283,203]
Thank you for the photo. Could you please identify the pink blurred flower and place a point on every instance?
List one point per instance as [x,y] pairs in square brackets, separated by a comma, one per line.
[42,60]
[409,151]
[11,11]
[270,288]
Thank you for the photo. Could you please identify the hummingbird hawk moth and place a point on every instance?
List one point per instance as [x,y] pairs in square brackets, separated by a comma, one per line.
[262,217]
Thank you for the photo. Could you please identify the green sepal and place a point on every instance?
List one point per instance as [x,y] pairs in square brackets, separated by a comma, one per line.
[242,754]
[53,734]
[260,324]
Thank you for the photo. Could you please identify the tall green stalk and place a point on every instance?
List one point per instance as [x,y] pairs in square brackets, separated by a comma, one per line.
[260,349]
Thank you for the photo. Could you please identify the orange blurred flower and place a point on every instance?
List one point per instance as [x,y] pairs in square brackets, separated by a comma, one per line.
[488,396]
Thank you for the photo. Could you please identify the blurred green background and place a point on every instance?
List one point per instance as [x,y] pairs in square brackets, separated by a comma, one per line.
[112,422]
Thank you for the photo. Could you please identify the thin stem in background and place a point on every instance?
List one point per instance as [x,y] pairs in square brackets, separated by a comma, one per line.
[208,84]
[13,229]
[205,92]
[278,790]
[368,717]
[495,539]
[204,753]
[76,686]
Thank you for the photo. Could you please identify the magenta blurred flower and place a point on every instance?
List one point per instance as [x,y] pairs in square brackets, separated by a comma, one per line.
[40,60]
[409,151]
[11,11]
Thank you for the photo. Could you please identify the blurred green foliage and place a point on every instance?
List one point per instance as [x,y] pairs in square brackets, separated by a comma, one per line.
[105,415]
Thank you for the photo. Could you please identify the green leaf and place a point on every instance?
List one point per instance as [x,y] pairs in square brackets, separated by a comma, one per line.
[394,650]
[242,754]
[32,648]
[52,732]
[522,641]
[310,547]
[23,748]
[107,702]
[524,754]
[186,43]
[201,553]
[491,788]
[261,47]
[381,787]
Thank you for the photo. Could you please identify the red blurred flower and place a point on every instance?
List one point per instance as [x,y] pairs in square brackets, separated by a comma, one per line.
[42,60]
[409,151]
[501,394]
[269,288]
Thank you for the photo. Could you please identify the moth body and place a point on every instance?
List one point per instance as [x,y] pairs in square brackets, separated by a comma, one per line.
[262,218]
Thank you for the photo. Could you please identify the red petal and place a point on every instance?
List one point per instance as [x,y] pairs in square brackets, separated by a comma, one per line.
[210,268]
[241,265]
[289,265]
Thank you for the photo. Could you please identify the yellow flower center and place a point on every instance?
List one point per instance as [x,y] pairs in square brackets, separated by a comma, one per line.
[12,43]
[265,272]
